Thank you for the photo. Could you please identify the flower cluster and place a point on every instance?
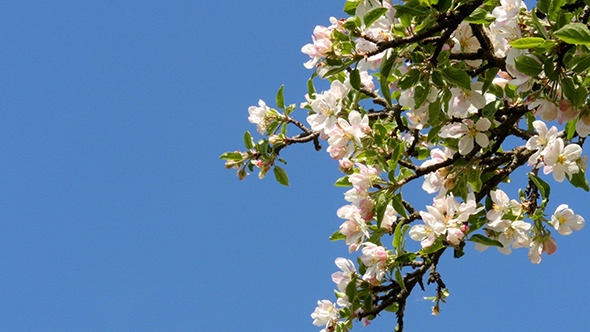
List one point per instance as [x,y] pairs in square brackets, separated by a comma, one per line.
[461,94]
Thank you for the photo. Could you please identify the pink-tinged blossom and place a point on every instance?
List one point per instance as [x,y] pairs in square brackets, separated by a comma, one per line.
[375,259]
[545,109]
[561,160]
[541,141]
[505,28]
[356,127]
[501,205]
[445,217]
[513,233]
[322,43]
[347,131]
[258,116]
[465,102]
[325,314]
[435,181]
[362,180]
[355,228]
[389,218]
[564,220]
[540,246]
[567,111]
[345,165]
[468,131]
[583,125]
[465,42]
[342,278]
[326,106]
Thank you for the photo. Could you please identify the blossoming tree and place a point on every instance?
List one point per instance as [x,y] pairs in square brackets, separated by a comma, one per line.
[452,95]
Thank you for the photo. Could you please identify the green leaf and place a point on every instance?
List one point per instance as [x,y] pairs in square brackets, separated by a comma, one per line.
[544,187]
[570,129]
[232,156]
[435,114]
[385,90]
[574,33]
[409,79]
[280,98]
[480,16]
[392,308]
[310,87]
[248,142]
[399,279]
[580,96]
[351,290]
[343,182]
[281,175]
[489,78]
[543,6]
[373,15]
[384,72]
[537,23]
[436,246]
[568,87]
[350,7]
[581,63]
[398,206]
[528,66]
[474,179]
[410,9]
[387,64]
[337,236]
[485,240]
[421,92]
[381,200]
[398,235]
[355,79]
[490,109]
[457,77]
[555,8]
[437,78]
[579,180]
[527,42]
[406,258]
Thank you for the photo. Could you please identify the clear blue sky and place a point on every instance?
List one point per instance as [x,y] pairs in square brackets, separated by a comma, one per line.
[116,214]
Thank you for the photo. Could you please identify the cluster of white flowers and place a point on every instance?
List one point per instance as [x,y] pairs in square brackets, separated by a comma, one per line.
[446,219]
[551,151]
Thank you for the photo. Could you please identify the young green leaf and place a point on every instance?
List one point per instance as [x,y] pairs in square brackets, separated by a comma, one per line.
[280,98]
[248,142]
[399,279]
[543,186]
[478,238]
[337,236]
[281,176]
[398,206]
[527,42]
[232,156]
[355,79]
[409,79]
[480,16]
[528,66]
[579,180]
[457,77]
[350,7]
[343,182]
[373,15]
[574,33]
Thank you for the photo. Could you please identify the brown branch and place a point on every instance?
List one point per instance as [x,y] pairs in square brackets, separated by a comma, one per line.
[445,21]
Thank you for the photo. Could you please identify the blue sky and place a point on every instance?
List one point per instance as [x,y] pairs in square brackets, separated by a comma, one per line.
[117,214]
